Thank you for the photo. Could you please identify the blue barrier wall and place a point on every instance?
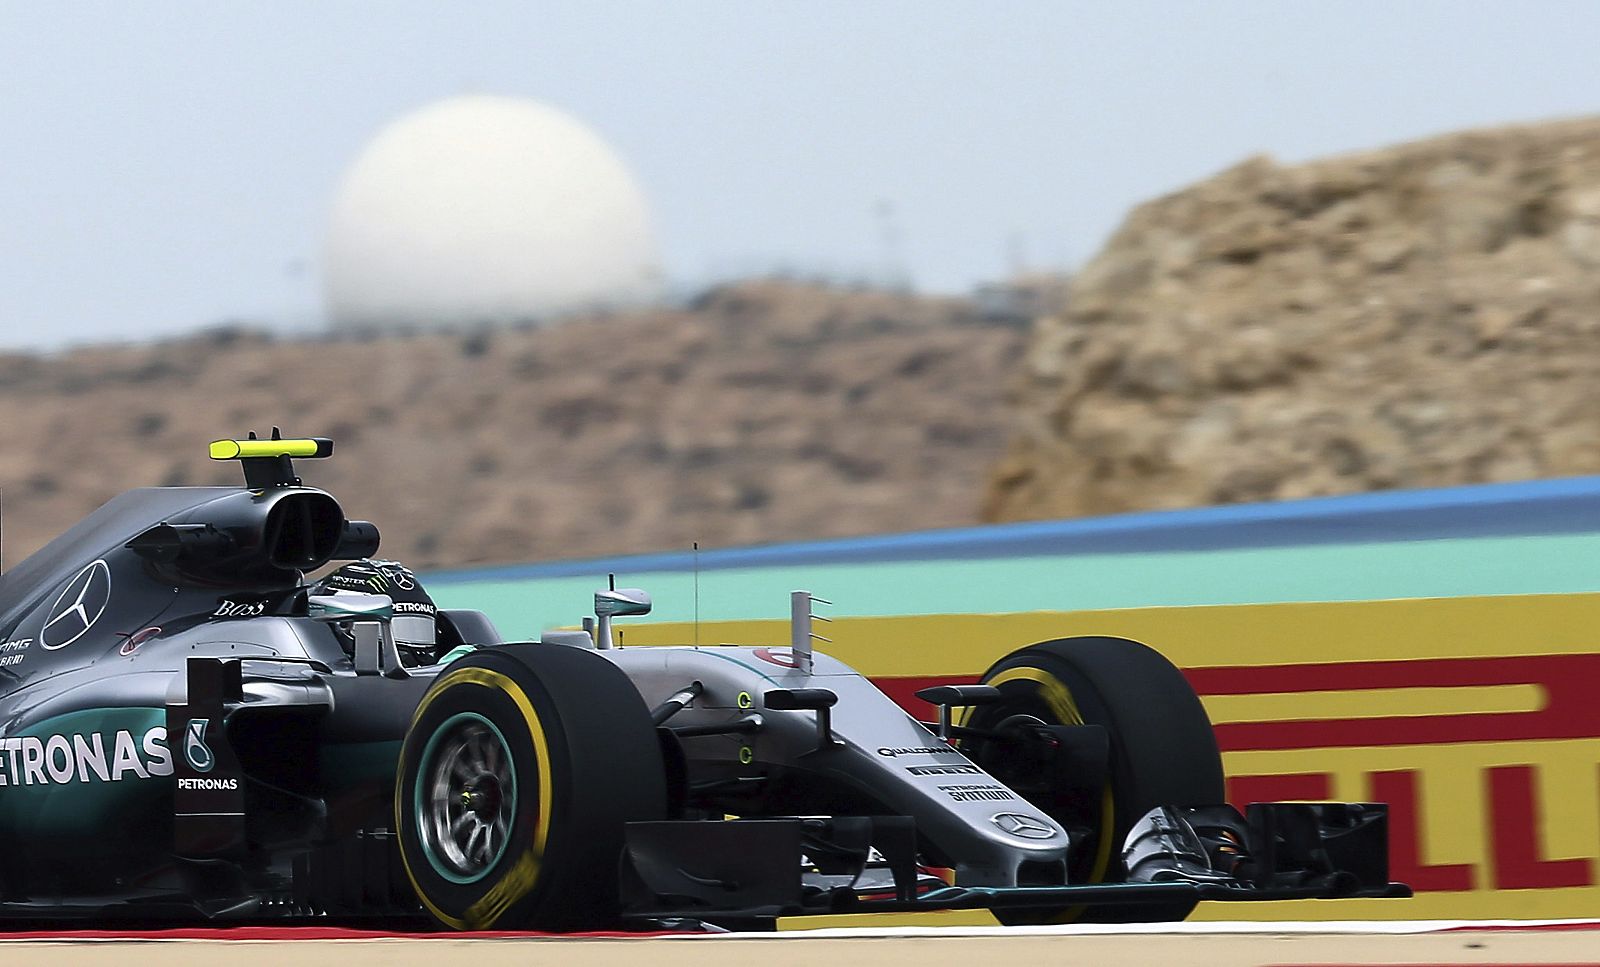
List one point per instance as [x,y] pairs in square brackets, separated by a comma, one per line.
[1520,538]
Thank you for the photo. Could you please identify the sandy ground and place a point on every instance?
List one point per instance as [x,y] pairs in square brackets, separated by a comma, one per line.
[1475,947]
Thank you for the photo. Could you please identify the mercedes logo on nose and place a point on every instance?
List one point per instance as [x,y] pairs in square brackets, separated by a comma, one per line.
[79,605]
[1024,827]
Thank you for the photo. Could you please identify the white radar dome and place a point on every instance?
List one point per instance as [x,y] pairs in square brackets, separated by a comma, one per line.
[486,210]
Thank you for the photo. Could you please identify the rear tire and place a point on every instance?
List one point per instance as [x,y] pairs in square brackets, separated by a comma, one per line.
[519,771]
[1162,751]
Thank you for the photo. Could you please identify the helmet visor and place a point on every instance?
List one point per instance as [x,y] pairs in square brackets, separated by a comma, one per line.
[413,630]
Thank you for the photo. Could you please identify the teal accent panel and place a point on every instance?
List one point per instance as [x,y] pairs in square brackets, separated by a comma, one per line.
[1541,564]
[82,802]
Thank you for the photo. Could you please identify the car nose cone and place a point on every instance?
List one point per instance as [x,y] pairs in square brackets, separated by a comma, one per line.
[1023,827]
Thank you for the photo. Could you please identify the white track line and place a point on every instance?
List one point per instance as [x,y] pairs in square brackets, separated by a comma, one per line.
[1326,927]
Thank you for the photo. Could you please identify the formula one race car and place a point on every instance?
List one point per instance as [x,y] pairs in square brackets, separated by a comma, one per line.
[188,730]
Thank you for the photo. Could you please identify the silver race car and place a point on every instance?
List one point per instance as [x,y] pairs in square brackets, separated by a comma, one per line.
[190,729]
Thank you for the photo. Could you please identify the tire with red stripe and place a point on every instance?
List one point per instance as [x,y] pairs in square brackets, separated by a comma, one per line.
[519,771]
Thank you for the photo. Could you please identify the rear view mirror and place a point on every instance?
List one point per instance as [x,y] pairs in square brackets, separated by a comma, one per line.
[621,602]
[614,603]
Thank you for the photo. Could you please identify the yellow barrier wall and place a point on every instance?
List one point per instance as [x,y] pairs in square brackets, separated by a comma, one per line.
[1475,718]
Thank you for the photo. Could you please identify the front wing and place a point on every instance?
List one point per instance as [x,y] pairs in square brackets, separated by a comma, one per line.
[750,871]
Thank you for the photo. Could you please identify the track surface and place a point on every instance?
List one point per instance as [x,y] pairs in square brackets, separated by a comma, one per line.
[1209,945]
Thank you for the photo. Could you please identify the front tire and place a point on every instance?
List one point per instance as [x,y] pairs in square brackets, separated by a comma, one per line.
[1161,751]
[522,765]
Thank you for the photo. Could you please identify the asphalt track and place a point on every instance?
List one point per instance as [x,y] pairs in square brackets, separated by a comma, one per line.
[1201,945]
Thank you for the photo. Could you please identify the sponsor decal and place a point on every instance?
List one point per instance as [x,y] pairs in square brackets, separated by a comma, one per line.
[1023,827]
[977,792]
[943,770]
[783,658]
[136,639]
[399,574]
[348,582]
[195,750]
[414,607]
[12,652]
[79,605]
[43,760]
[233,608]
[891,753]
[375,576]
[208,784]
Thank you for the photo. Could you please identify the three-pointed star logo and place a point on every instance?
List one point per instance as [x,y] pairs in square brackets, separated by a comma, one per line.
[1025,827]
[401,576]
[79,605]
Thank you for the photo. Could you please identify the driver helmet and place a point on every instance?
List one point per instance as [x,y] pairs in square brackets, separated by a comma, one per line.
[415,622]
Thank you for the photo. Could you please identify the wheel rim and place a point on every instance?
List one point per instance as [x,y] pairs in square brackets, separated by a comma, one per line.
[1031,692]
[466,797]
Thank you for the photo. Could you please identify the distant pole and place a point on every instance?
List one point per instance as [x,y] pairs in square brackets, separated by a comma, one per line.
[1017,253]
[893,257]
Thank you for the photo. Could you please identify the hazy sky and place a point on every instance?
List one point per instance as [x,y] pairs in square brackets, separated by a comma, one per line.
[169,165]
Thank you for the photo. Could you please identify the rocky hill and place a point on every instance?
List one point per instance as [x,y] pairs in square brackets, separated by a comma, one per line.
[766,411]
[1423,315]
